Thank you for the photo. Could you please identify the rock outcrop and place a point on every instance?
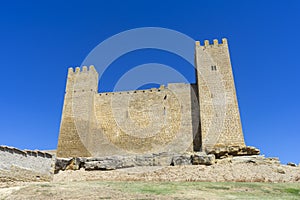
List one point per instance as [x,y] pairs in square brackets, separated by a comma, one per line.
[118,162]
[221,152]
[239,154]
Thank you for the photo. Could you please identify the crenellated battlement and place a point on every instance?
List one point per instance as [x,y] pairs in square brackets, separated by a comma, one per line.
[84,69]
[161,88]
[82,79]
[214,43]
[132,91]
[25,152]
[26,165]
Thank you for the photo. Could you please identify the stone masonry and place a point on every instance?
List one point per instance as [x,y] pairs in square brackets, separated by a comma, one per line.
[219,112]
[175,118]
[25,165]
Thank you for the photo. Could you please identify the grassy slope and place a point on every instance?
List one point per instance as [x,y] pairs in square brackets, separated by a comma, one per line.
[154,190]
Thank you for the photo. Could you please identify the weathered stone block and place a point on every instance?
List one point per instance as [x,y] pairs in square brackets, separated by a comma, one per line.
[127,161]
[144,160]
[203,159]
[184,159]
[106,164]
[162,159]
[257,159]
[221,152]
[61,164]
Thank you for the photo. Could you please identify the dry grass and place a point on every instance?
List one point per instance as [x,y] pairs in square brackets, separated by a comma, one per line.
[152,190]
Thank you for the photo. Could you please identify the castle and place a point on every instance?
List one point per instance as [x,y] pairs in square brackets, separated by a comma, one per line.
[178,117]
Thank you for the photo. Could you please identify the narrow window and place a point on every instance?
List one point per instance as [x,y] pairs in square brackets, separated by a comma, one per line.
[213,68]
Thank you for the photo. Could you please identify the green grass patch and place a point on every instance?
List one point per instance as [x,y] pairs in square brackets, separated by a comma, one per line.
[224,190]
[45,185]
[218,187]
[149,188]
[157,190]
[294,191]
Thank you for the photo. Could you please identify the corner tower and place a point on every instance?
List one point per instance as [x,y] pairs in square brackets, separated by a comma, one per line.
[219,113]
[78,112]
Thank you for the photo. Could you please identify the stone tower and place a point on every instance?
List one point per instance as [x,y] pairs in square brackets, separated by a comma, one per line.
[219,113]
[78,113]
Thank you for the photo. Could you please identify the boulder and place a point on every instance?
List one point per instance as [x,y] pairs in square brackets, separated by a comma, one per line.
[222,152]
[202,158]
[280,170]
[144,160]
[292,164]
[68,164]
[103,164]
[127,161]
[162,159]
[61,164]
[184,159]
[248,150]
[257,159]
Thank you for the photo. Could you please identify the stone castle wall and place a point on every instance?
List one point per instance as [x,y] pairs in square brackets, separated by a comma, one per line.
[146,121]
[177,118]
[130,122]
[25,165]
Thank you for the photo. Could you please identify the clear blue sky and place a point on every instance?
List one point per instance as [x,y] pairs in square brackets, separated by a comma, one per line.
[39,40]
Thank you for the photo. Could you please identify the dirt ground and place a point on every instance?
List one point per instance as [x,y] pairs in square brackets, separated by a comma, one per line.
[150,190]
[223,172]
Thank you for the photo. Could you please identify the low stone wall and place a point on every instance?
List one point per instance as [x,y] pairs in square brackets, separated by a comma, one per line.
[25,165]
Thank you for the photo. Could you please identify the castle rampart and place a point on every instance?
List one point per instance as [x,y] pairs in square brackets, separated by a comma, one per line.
[25,164]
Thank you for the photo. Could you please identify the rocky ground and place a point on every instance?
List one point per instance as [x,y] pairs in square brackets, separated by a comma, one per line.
[235,169]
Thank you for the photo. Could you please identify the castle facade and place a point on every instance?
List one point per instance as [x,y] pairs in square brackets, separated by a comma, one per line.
[178,117]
